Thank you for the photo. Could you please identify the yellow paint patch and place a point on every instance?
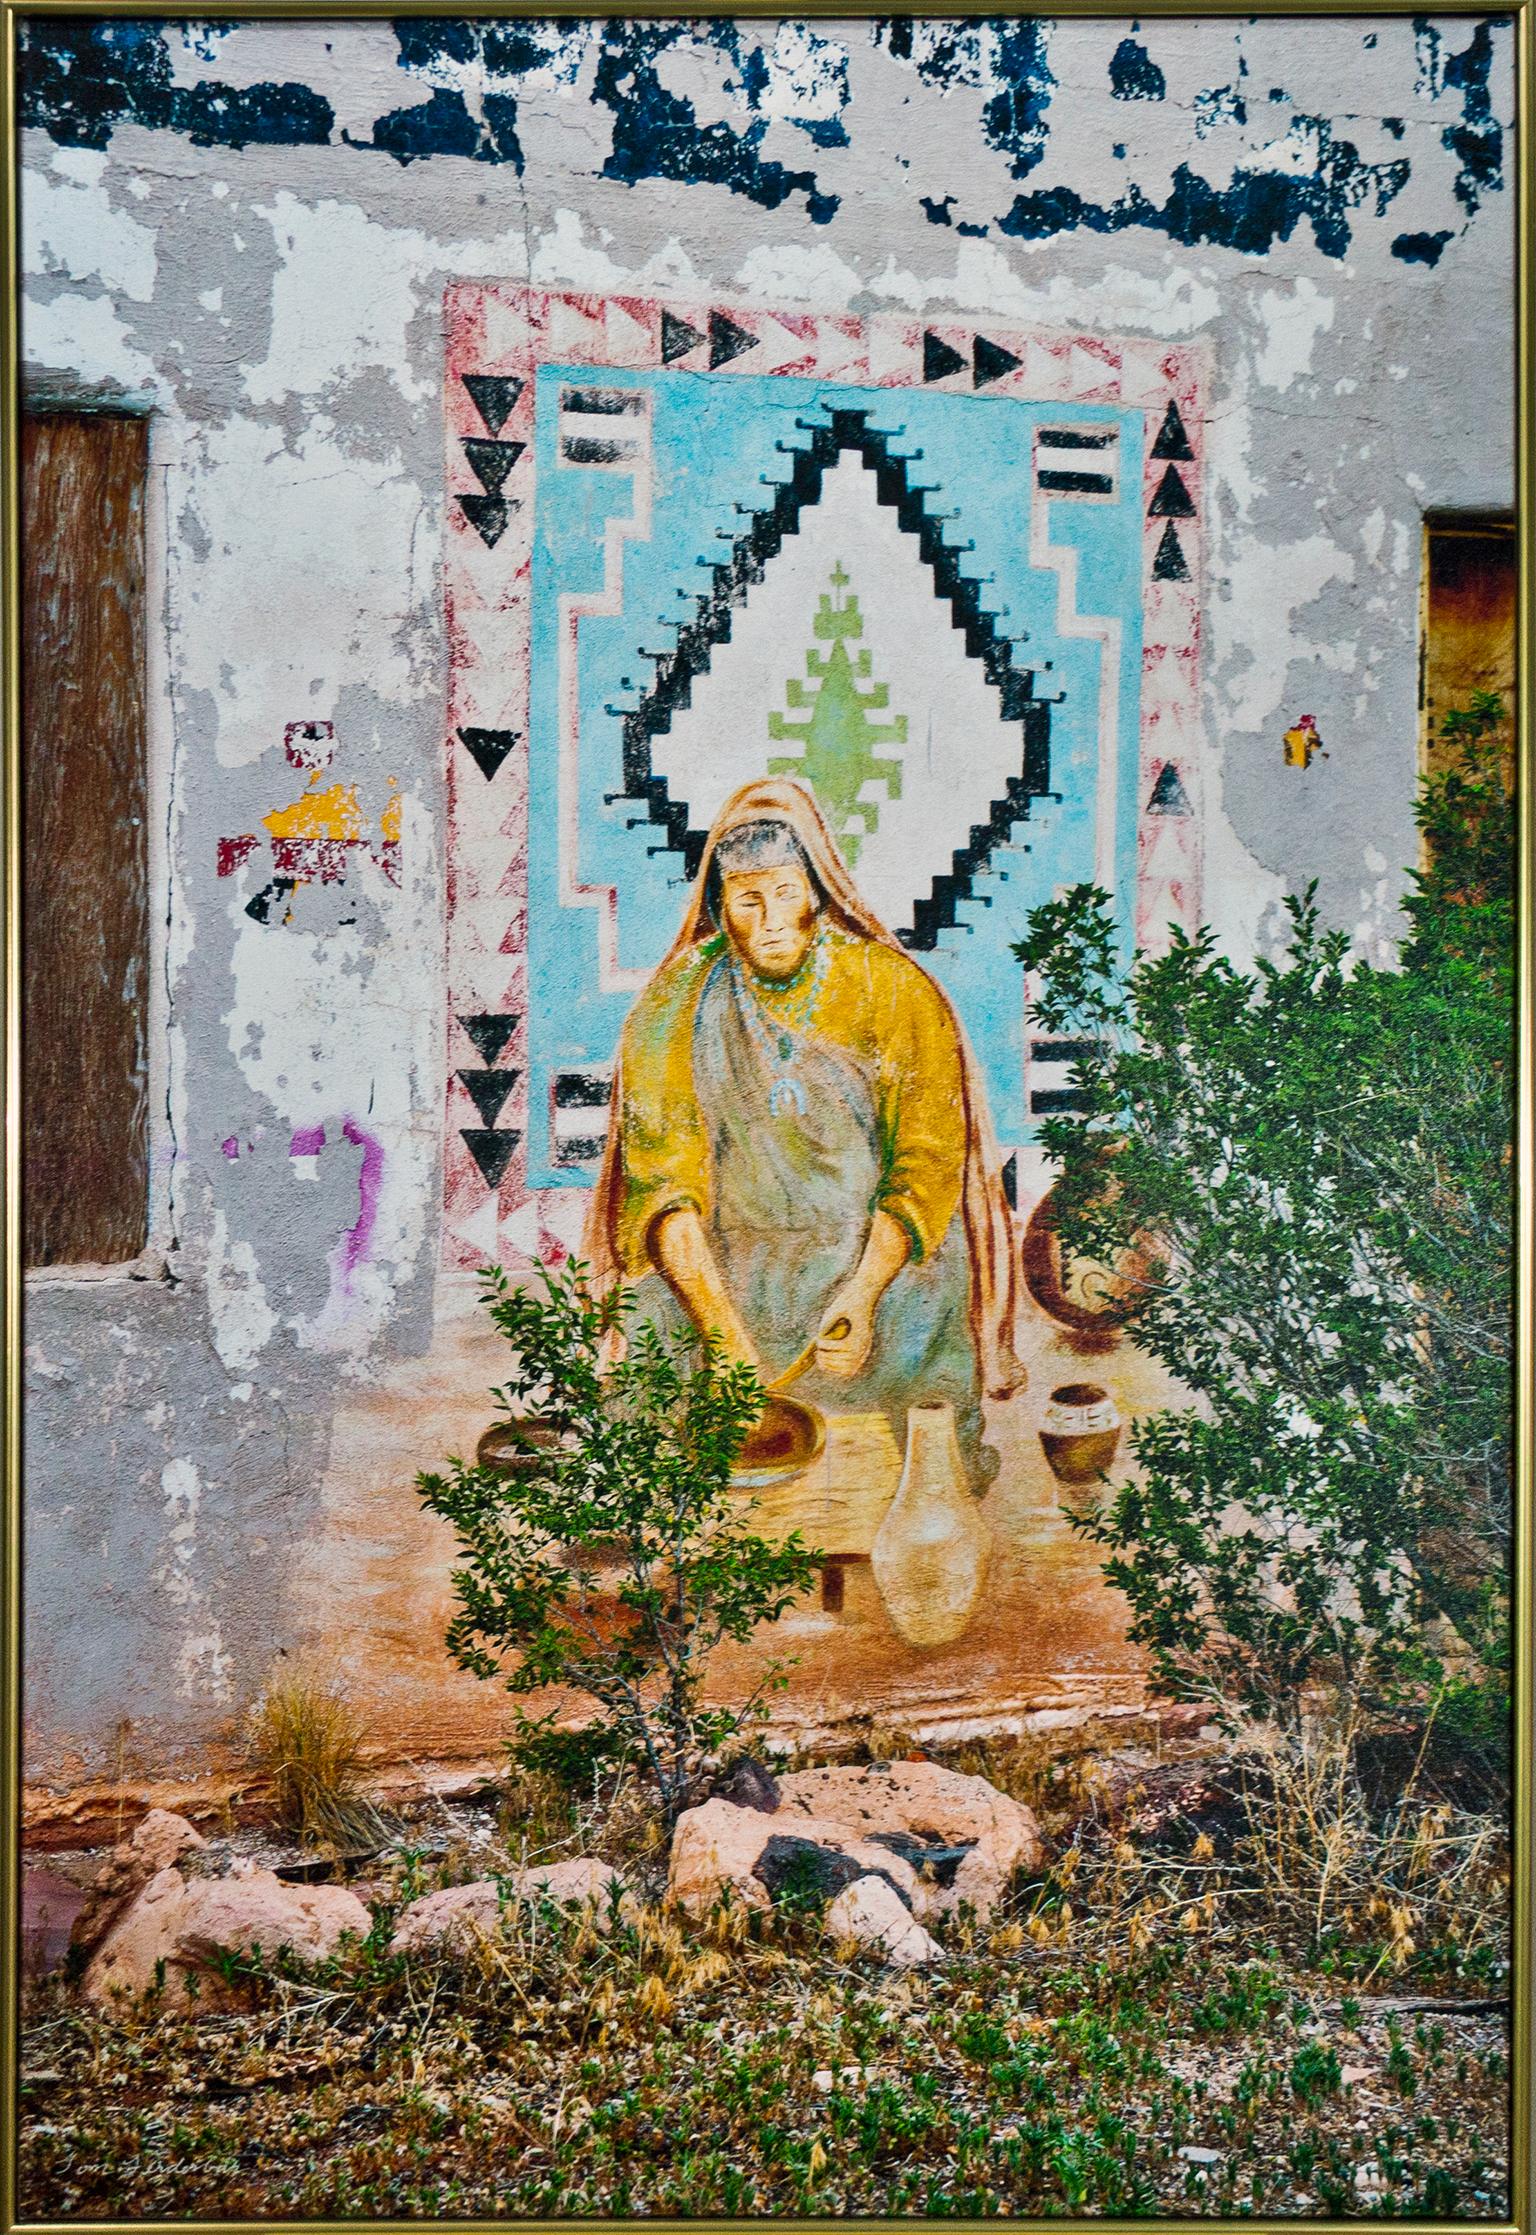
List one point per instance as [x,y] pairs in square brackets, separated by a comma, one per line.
[332,814]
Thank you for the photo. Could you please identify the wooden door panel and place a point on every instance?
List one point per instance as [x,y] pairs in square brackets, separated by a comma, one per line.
[85,925]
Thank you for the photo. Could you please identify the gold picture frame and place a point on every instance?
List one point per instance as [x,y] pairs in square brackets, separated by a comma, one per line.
[1522,13]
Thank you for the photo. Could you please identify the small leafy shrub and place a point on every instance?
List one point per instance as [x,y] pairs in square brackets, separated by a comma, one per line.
[572,1757]
[1304,1175]
[614,1559]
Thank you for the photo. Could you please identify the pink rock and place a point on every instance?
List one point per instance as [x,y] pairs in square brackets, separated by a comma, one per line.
[175,1928]
[922,1801]
[50,1905]
[868,1911]
[718,1846]
[457,1913]
[581,1880]
[157,1841]
[160,1839]
[468,1913]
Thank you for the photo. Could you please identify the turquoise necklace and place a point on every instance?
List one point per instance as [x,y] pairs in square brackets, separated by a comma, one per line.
[775,1017]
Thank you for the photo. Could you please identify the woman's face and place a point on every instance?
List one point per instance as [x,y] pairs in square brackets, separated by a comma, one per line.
[770,917]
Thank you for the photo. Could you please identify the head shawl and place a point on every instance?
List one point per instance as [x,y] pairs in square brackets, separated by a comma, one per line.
[996,1287]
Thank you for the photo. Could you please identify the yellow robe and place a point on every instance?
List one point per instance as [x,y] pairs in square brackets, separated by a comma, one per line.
[875,1003]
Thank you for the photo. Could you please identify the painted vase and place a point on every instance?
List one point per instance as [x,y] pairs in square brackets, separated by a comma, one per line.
[1079,1432]
[931,1551]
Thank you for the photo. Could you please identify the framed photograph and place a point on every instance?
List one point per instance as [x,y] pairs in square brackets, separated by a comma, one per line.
[769,1101]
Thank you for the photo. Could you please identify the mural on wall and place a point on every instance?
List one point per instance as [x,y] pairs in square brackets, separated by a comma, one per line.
[943,577]
[795,659]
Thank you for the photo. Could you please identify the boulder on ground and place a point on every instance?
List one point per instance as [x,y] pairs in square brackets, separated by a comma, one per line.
[793,1867]
[746,1784]
[962,1834]
[175,1928]
[870,1912]
[157,1841]
[464,1914]
[461,1914]
[720,1846]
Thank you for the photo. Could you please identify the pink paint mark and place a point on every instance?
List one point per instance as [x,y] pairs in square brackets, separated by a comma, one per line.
[231,1147]
[308,1141]
[353,1246]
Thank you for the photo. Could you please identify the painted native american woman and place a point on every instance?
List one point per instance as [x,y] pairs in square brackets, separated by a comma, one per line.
[802,1147]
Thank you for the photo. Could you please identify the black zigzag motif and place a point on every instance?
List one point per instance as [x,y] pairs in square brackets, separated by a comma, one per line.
[732,579]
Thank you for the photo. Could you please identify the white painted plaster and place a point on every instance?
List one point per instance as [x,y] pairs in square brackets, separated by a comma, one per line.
[69,228]
[1291,320]
[1266,587]
[241,1321]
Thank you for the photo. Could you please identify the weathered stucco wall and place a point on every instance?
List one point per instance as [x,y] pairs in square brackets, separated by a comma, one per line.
[248,231]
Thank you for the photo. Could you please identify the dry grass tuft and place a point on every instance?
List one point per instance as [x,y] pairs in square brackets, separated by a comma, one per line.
[306,1737]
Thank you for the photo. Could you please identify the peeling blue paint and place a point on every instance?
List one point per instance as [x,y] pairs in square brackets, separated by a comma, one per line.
[1477,141]
[830,66]
[1421,248]
[1133,75]
[1218,105]
[79,79]
[990,51]
[1257,209]
[657,135]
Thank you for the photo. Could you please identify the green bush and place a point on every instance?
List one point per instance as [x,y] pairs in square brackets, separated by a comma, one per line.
[614,1558]
[1306,1171]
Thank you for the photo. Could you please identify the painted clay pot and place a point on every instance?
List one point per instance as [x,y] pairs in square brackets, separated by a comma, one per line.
[931,1551]
[1079,1432]
[1088,1301]
[518,1446]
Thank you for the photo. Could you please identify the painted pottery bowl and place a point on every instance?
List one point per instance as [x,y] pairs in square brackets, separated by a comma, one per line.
[786,1438]
[1079,1432]
[518,1446]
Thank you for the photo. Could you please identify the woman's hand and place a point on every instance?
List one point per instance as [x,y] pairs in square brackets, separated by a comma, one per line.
[846,1335]
[681,1253]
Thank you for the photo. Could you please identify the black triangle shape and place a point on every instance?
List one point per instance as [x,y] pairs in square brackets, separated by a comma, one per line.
[727,340]
[488,1090]
[1170,565]
[939,360]
[990,362]
[1168,794]
[488,748]
[491,462]
[1172,499]
[491,1151]
[1172,441]
[494,396]
[677,337]
[490,1032]
[488,516]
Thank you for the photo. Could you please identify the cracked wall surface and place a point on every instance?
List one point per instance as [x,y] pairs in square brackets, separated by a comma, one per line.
[247,230]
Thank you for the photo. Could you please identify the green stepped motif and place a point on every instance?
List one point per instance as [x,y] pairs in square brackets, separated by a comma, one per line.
[838,738]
